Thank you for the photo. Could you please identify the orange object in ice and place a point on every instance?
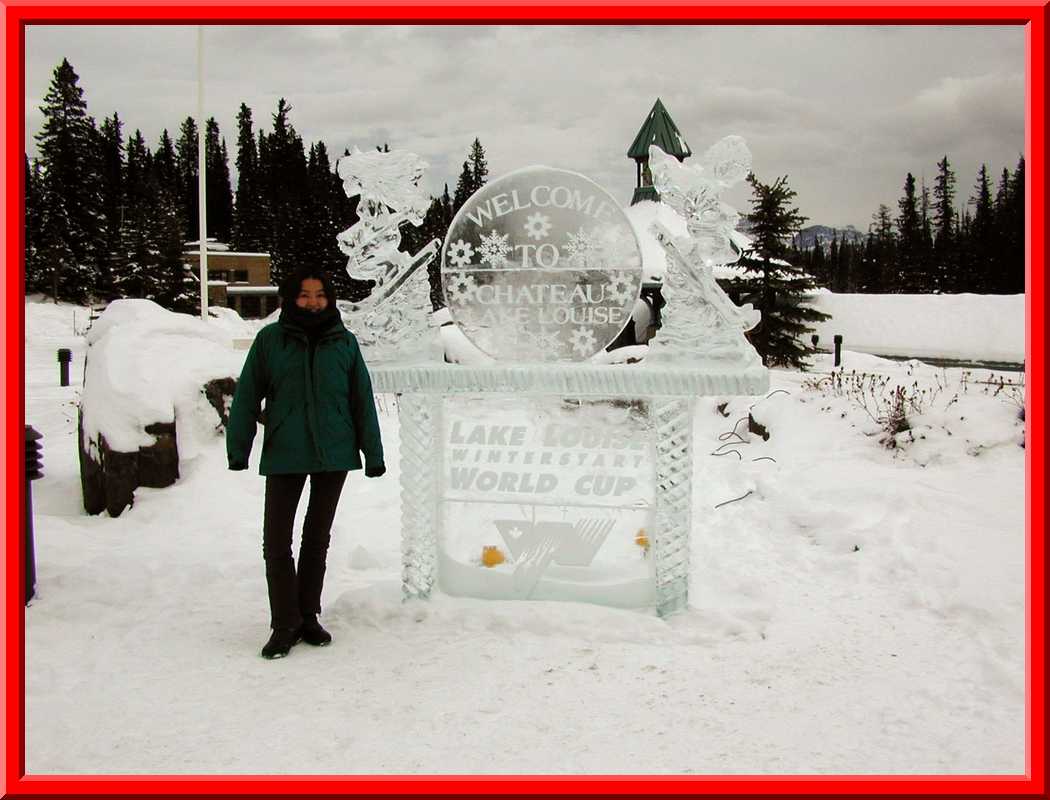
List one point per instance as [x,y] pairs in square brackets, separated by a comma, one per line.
[642,540]
[491,555]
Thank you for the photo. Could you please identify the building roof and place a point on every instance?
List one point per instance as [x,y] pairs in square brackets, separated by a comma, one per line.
[223,254]
[659,129]
[231,290]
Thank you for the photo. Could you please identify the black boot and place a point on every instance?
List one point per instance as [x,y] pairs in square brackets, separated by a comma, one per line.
[313,633]
[282,640]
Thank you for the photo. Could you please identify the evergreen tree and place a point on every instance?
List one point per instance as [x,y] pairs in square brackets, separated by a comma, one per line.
[880,254]
[842,280]
[249,229]
[71,215]
[981,265]
[435,226]
[177,288]
[1013,274]
[834,260]
[164,164]
[34,276]
[818,264]
[137,275]
[111,187]
[217,179]
[54,249]
[479,168]
[944,219]
[909,275]
[777,288]
[186,158]
[463,188]
[283,165]
[926,239]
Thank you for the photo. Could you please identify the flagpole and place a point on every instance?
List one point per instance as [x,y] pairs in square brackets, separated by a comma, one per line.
[202,216]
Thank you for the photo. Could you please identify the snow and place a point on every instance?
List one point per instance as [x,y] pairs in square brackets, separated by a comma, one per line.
[860,611]
[149,365]
[960,326]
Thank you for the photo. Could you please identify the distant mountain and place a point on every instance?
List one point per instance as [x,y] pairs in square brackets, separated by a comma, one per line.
[808,237]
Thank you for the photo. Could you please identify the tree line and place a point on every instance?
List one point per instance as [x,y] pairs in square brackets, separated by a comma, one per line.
[929,245]
[107,216]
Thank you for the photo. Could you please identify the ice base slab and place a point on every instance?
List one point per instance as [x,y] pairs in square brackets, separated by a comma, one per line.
[623,381]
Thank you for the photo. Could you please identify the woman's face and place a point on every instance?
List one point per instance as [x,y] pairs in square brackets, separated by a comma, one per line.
[312,296]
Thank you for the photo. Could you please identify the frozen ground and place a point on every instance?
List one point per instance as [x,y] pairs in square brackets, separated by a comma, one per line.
[860,611]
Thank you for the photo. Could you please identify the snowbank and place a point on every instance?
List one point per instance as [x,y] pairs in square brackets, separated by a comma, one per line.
[963,326]
[146,365]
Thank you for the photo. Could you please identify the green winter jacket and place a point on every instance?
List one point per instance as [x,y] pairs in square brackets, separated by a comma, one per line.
[319,417]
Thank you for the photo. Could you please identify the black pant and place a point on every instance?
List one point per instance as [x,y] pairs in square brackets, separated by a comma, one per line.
[296,593]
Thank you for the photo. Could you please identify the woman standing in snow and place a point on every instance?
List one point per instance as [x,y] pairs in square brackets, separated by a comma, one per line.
[320,417]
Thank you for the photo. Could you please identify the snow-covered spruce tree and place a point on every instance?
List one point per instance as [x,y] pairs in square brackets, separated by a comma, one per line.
[217,177]
[282,163]
[111,170]
[248,232]
[982,258]
[479,167]
[186,158]
[945,249]
[1013,279]
[776,287]
[71,220]
[910,273]
[464,190]
[33,269]
[435,226]
[880,254]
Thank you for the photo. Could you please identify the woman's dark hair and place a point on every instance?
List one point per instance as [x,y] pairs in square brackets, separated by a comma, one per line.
[291,285]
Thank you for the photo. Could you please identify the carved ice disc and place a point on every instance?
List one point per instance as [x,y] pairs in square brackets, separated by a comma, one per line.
[541,264]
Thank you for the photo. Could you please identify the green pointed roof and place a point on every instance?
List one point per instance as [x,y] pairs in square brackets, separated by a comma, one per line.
[659,129]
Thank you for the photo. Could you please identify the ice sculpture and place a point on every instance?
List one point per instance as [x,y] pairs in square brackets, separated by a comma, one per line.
[701,322]
[566,465]
[388,184]
[541,265]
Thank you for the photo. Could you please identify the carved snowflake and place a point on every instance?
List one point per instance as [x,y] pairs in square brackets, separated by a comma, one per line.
[494,249]
[620,288]
[461,288]
[460,253]
[582,247]
[545,338]
[537,226]
[582,340]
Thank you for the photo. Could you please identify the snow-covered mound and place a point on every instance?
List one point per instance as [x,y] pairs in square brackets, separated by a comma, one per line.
[145,365]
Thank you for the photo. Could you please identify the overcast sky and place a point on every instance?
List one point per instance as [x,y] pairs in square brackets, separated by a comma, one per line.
[845,111]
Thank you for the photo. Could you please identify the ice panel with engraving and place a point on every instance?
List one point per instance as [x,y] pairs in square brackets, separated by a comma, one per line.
[547,498]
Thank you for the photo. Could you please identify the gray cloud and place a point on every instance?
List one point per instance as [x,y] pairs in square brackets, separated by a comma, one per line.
[845,111]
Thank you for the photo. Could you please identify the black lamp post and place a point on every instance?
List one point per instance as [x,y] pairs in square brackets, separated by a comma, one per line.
[65,356]
[34,470]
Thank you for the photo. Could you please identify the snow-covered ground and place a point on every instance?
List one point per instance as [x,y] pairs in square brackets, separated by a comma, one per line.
[860,611]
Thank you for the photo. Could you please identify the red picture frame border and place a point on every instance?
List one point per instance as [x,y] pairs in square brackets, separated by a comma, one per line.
[16,15]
